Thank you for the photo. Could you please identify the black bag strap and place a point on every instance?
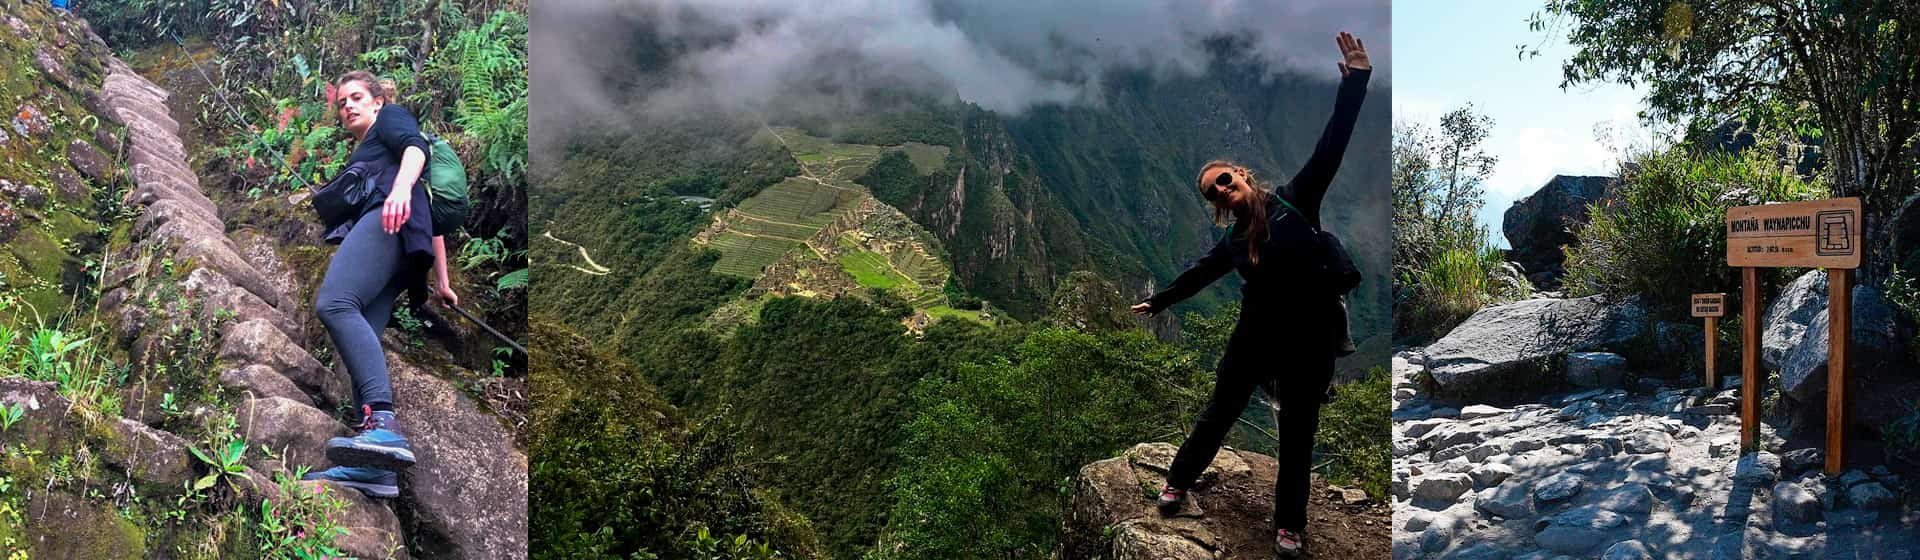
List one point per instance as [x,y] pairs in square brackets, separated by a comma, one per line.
[1296,210]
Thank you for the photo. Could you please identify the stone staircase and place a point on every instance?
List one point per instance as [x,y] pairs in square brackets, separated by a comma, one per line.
[183,272]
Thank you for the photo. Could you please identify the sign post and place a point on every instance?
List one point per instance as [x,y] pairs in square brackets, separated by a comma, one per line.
[1712,307]
[1820,233]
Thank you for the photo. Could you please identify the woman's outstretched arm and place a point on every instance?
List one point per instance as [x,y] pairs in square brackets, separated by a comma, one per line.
[1210,267]
[1309,186]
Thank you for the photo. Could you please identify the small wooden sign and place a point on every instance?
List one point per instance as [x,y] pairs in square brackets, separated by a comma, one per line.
[1819,233]
[1709,305]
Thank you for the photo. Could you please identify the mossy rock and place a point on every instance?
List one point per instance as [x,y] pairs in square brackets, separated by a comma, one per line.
[65,526]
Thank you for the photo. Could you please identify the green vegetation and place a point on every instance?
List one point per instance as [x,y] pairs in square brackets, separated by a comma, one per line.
[1445,269]
[624,476]
[871,270]
[1776,66]
[303,526]
[989,455]
[1665,238]
[1356,434]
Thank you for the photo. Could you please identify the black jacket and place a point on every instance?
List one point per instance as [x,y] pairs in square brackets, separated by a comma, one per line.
[1277,278]
[393,131]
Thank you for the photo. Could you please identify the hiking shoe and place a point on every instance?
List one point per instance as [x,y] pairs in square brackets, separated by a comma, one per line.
[1289,544]
[376,483]
[379,444]
[1170,499]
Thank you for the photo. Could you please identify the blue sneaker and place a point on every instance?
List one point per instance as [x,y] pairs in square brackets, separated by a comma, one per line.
[374,483]
[379,444]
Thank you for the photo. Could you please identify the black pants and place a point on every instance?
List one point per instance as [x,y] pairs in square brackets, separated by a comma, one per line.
[1301,387]
[355,301]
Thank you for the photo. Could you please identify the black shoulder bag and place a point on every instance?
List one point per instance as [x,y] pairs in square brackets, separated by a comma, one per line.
[347,196]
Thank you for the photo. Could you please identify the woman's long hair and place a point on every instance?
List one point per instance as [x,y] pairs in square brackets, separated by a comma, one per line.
[1256,211]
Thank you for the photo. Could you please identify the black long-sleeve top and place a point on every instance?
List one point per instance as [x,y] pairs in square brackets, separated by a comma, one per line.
[394,130]
[1291,238]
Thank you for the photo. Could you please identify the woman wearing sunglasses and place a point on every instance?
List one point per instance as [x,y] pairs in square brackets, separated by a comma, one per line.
[1289,326]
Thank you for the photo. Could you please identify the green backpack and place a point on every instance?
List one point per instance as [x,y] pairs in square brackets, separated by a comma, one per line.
[446,185]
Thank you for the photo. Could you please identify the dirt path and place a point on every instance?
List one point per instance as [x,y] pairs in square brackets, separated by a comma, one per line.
[597,269]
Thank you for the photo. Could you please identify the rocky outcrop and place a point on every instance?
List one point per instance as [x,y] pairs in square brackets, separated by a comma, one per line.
[470,486]
[1794,343]
[1538,225]
[1516,344]
[1085,302]
[1229,514]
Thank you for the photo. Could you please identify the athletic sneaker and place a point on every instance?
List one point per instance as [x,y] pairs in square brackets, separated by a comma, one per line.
[1289,544]
[375,483]
[379,444]
[1170,499]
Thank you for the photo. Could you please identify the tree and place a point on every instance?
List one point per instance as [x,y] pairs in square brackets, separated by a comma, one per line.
[1444,269]
[1847,72]
[1438,183]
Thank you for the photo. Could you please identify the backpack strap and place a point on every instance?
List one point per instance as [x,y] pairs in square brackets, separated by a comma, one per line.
[1296,210]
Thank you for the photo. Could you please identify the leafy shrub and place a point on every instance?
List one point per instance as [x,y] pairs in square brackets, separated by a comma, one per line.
[1663,235]
[1460,276]
[1356,434]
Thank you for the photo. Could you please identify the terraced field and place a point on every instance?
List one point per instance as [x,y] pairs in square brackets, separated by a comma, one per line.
[780,220]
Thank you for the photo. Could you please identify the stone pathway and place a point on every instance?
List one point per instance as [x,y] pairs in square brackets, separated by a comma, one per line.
[1610,474]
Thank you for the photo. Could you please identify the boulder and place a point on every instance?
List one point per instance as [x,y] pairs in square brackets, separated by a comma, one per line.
[1871,495]
[1596,369]
[157,459]
[1559,487]
[1627,550]
[469,485]
[1538,225]
[1878,361]
[1111,513]
[1501,346]
[1442,488]
[1757,468]
[88,160]
[1788,315]
[1512,499]
[1792,502]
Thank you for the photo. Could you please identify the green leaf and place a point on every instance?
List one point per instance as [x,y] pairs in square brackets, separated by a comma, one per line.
[515,279]
[205,482]
[203,456]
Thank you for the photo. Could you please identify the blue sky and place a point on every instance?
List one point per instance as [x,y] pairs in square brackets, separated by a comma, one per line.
[1447,54]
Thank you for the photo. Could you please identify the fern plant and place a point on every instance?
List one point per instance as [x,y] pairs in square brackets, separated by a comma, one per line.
[490,62]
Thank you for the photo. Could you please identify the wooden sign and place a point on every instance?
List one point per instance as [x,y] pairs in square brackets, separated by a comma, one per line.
[1709,305]
[1819,233]
[1712,307]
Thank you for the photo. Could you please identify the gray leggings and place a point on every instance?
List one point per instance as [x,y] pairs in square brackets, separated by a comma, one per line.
[355,301]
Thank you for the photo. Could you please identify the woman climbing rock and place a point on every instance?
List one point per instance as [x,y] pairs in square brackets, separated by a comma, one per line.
[1292,322]
[386,250]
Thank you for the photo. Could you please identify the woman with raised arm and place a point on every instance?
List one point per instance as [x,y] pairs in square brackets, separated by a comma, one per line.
[1290,325]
